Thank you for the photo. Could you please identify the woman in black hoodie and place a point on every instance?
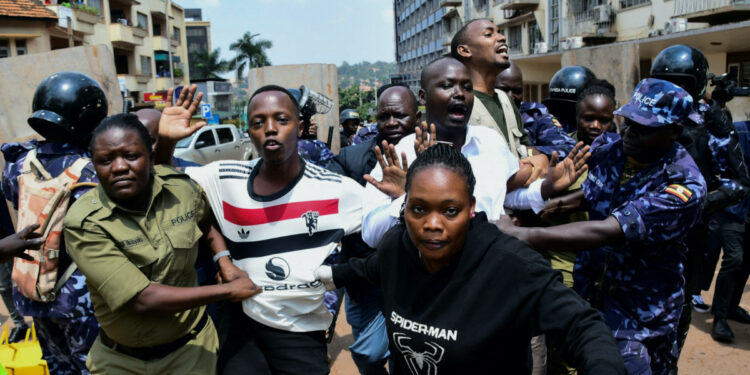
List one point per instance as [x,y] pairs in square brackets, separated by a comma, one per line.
[460,296]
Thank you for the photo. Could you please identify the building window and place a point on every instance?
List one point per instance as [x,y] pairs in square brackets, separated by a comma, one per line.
[121,64]
[554,24]
[515,39]
[142,21]
[195,32]
[98,5]
[535,35]
[631,3]
[146,65]
[176,33]
[4,48]
[21,47]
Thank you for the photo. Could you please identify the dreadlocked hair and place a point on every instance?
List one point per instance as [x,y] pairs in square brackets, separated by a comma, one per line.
[597,87]
[444,156]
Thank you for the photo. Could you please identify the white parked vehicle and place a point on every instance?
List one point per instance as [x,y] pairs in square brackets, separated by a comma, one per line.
[215,142]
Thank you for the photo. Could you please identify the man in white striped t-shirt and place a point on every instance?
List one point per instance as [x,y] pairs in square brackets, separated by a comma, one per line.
[281,217]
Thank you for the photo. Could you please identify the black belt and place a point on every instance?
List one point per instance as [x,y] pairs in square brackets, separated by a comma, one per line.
[157,351]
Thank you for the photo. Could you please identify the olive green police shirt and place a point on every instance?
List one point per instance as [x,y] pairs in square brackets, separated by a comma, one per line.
[121,252]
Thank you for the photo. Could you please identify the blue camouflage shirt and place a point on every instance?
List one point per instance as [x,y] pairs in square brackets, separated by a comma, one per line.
[315,152]
[73,300]
[656,207]
[726,182]
[365,133]
[545,132]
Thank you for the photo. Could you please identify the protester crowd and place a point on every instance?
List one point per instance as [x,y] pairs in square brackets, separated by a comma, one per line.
[482,234]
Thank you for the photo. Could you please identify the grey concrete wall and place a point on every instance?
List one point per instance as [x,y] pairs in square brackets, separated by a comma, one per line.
[322,78]
[19,77]
[617,64]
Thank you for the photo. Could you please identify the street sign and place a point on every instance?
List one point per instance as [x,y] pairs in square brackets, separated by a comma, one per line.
[206,111]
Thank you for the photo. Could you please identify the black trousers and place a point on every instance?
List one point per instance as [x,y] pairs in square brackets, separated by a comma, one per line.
[733,272]
[254,348]
[696,242]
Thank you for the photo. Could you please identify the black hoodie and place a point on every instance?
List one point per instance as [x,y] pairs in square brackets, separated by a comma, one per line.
[478,314]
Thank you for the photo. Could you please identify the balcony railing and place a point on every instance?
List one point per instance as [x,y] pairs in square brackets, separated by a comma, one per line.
[713,11]
[596,23]
[450,3]
[125,35]
[82,21]
[159,43]
[519,4]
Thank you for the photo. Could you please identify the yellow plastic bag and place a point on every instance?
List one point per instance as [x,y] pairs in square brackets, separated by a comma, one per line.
[22,358]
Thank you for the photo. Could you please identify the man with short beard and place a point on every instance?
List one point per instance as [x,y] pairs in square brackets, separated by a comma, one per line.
[484,51]
[397,116]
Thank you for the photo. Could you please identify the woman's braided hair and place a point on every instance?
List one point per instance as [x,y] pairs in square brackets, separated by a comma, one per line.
[596,87]
[445,156]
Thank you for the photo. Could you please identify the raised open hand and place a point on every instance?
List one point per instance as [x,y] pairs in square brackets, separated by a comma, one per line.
[425,139]
[175,120]
[565,173]
[394,172]
[14,245]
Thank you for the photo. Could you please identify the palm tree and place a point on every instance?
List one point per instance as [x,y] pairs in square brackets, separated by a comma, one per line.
[207,64]
[250,53]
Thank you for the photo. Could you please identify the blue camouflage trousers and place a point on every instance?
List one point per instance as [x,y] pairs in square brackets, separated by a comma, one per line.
[66,342]
[656,356]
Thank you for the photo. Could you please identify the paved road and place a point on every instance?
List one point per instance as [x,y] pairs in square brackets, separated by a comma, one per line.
[701,355]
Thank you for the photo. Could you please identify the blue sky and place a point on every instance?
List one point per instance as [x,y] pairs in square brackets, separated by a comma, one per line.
[304,31]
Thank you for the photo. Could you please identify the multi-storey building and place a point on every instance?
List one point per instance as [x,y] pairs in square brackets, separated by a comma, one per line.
[135,30]
[424,29]
[198,34]
[617,39]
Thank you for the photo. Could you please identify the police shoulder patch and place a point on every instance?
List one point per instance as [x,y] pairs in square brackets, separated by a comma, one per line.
[557,123]
[679,191]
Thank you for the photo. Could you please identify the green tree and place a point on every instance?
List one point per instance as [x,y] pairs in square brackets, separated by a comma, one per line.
[207,64]
[349,97]
[250,53]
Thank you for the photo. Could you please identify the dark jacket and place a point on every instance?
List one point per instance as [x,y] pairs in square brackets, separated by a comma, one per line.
[716,150]
[478,314]
[354,162]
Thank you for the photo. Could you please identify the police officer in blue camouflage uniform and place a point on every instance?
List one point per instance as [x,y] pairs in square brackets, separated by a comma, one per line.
[564,89]
[545,132]
[350,122]
[67,107]
[644,193]
[714,146]
[364,134]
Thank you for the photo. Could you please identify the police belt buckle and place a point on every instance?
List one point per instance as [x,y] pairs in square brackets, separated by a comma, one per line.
[154,352]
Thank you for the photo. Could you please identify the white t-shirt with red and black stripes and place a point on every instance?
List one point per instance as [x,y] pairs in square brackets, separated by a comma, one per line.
[280,239]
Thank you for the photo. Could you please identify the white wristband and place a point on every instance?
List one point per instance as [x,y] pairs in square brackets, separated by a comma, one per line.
[220,254]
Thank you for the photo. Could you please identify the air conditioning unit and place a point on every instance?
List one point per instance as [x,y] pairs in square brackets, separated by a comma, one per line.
[565,44]
[540,47]
[675,25]
[575,42]
[603,13]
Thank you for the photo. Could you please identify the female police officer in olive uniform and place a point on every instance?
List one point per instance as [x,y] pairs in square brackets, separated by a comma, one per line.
[135,237]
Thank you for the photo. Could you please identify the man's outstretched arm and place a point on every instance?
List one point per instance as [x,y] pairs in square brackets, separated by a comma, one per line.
[582,235]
